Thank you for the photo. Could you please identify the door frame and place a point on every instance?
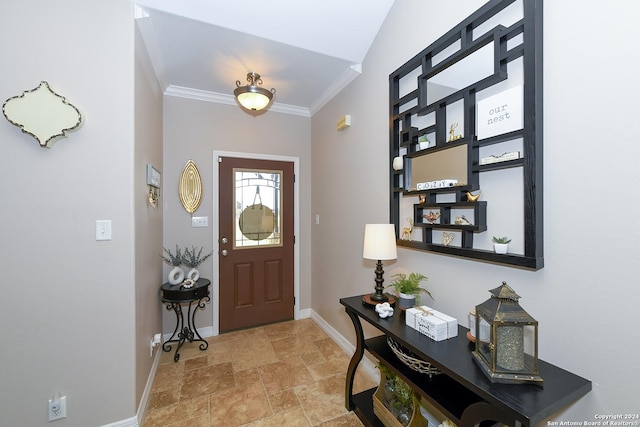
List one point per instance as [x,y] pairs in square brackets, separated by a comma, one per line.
[215,225]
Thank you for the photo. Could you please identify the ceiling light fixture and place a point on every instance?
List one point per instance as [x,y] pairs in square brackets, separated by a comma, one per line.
[252,96]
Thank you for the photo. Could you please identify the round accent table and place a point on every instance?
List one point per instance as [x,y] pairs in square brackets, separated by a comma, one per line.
[174,296]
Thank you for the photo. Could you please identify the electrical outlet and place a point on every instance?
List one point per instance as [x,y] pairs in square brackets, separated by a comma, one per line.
[155,340]
[57,408]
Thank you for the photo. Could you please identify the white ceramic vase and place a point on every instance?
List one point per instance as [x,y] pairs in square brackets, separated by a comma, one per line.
[398,163]
[176,275]
[193,274]
[501,248]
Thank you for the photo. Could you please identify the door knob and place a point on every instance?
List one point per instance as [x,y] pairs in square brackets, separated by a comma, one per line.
[224,240]
[224,252]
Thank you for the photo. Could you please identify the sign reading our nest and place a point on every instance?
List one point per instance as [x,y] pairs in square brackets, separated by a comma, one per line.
[500,113]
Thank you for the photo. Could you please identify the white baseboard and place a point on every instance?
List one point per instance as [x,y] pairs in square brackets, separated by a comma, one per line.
[130,422]
[144,400]
[304,314]
[367,365]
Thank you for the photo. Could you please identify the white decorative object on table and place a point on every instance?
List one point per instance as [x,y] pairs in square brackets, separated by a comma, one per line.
[193,275]
[432,323]
[176,275]
[384,310]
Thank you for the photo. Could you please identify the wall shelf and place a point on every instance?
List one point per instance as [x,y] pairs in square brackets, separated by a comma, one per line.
[425,98]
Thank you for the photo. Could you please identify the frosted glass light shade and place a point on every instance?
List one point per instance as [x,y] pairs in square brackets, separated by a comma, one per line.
[379,242]
[253,100]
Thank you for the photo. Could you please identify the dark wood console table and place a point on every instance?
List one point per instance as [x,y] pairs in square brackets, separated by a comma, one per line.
[176,295]
[461,392]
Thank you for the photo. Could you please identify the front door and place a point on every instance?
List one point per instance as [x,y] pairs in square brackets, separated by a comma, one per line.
[256,242]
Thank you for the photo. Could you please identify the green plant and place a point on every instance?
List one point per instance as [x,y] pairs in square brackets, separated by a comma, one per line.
[174,260]
[404,394]
[501,240]
[409,285]
[192,259]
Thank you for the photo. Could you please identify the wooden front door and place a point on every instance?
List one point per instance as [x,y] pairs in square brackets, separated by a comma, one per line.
[256,242]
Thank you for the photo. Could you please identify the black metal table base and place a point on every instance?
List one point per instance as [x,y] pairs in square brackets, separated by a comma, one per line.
[187,332]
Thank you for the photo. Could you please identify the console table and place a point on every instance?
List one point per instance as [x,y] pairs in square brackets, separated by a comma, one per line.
[462,392]
[176,295]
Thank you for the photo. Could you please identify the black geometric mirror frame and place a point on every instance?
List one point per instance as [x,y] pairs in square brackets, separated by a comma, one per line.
[519,41]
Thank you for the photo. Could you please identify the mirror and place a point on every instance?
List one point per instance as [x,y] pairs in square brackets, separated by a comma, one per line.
[462,73]
[43,114]
[449,164]
[468,108]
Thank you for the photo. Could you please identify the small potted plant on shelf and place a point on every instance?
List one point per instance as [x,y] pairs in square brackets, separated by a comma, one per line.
[501,244]
[408,288]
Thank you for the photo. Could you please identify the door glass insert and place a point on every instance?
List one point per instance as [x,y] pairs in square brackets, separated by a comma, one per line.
[257,204]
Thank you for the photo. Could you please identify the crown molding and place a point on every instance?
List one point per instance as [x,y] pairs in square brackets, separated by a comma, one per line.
[343,81]
[223,98]
[150,40]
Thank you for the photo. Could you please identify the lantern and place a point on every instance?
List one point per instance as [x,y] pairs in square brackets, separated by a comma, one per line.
[506,339]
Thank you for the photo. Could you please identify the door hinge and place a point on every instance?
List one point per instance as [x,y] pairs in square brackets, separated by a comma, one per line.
[294,300]
[294,177]
[294,240]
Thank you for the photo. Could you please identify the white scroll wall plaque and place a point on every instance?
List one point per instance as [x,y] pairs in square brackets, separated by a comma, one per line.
[42,113]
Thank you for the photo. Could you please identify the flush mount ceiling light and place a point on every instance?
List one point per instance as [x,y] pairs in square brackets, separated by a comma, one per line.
[252,96]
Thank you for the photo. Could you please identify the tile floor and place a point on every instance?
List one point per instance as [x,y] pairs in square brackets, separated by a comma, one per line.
[286,375]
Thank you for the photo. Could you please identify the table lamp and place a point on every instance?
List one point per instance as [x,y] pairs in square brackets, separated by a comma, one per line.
[379,245]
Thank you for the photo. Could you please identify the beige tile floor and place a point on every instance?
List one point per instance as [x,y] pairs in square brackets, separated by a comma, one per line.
[286,375]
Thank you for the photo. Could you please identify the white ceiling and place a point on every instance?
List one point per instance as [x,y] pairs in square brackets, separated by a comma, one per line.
[307,50]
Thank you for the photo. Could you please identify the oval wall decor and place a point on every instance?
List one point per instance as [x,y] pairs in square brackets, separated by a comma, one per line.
[190,187]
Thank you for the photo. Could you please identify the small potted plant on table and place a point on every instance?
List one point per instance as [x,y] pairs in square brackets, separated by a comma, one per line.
[408,288]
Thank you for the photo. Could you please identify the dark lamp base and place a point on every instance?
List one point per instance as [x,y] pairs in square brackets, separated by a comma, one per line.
[368,299]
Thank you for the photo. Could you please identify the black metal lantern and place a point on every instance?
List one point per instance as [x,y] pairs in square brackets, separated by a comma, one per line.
[506,339]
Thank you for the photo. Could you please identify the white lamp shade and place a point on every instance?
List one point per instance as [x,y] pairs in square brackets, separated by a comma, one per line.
[379,242]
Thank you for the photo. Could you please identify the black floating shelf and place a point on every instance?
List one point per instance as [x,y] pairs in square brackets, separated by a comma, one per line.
[499,165]
[514,260]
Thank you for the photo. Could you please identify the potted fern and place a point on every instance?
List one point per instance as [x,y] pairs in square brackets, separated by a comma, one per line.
[408,288]
[501,244]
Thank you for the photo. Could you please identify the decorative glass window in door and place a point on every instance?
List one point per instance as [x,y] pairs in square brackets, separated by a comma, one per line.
[257,203]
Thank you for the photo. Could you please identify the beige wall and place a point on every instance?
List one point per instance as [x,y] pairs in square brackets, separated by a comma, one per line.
[585,297]
[148,219]
[193,130]
[67,323]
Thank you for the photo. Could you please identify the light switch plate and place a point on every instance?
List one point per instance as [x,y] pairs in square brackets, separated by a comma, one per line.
[199,221]
[103,229]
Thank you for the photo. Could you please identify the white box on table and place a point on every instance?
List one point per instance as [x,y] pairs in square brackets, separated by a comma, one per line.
[452,322]
[432,323]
